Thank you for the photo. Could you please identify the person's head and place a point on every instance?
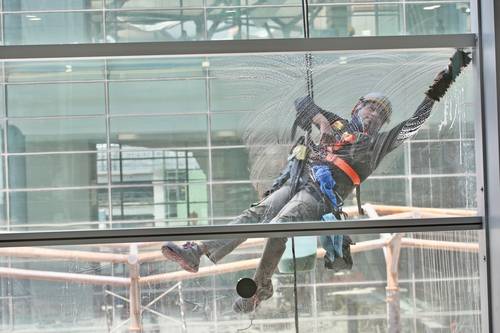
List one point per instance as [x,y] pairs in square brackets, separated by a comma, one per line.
[372,111]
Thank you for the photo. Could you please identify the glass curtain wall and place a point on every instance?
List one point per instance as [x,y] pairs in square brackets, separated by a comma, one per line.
[176,142]
[97,21]
[90,289]
[112,143]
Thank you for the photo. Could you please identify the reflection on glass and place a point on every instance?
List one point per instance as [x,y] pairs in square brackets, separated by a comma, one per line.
[47,135]
[249,104]
[25,5]
[58,170]
[160,205]
[32,22]
[141,4]
[433,283]
[54,70]
[168,166]
[230,164]
[58,209]
[176,96]
[230,200]
[341,19]
[77,99]
[264,22]
[442,157]
[3,211]
[155,68]
[160,131]
[155,26]
[437,18]
[252,2]
[228,128]
[53,28]
[457,191]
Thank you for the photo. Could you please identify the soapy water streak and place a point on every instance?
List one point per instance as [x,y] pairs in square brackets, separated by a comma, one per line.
[339,81]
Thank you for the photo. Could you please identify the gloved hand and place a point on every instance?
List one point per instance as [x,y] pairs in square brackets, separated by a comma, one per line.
[306,110]
[446,77]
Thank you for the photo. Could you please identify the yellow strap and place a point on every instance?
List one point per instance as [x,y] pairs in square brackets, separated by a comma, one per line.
[300,152]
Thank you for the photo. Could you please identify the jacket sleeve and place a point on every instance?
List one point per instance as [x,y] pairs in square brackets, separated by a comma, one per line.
[408,128]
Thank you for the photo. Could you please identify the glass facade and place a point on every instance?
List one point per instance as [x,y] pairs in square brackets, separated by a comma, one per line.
[96,21]
[93,145]
[162,141]
[90,288]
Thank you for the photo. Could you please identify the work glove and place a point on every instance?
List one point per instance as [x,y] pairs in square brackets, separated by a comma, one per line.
[446,77]
[306,110]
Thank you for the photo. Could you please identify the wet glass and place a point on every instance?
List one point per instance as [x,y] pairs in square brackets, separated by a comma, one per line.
[174,96]
[433,282]
[157,68]
[159,131]
[230,130]
[67,70]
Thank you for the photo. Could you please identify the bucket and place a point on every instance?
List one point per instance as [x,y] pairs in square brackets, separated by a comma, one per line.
[305,255]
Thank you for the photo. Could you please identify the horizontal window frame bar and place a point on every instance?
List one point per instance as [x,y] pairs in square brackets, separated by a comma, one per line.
[99,10]
[224,47]
[17,239]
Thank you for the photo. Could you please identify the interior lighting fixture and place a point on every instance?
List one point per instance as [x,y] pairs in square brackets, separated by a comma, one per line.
[432,7]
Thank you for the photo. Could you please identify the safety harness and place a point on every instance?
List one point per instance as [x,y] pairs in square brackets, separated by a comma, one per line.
[340,163]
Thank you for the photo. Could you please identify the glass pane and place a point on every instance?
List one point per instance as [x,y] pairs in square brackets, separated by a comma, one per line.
[169,166]
[22,5]
[160,205]
[61,170]
[45,135]
[229,128]
[438,18]
[334,18]
[446,192]
[448,157]
[54,70]
[160,131]
[230,164]
[156,68]
[78,21]
[144,4]
[77,99]
[434,286]
[249,104]
[228,92]
[253,3]
[4,225]
[53,28]
[264,22]
[59,209]
[176,96]
[230,200]
[155,26]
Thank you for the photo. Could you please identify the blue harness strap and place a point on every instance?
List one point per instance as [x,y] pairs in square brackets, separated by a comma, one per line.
[326,183]
[331,243]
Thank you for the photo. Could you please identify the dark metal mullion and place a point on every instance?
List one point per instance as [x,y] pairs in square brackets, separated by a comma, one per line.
[223,47]
[233,231]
